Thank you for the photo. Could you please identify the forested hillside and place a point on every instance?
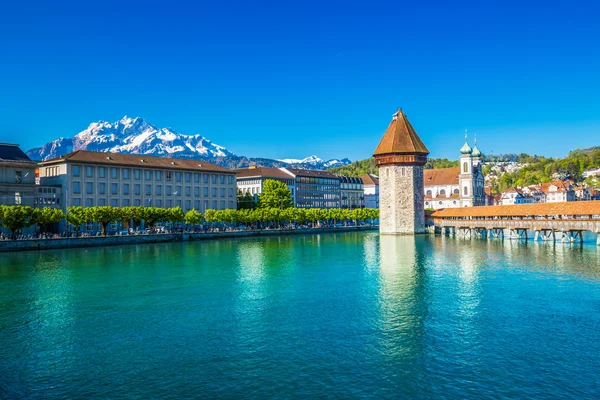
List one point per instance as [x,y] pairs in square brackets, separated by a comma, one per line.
[367,166]
[537,169]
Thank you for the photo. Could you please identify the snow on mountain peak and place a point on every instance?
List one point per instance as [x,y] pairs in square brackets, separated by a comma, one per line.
[136,136]
[132,136]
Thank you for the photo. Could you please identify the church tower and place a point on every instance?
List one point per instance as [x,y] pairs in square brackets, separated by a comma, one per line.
[400,157]
[466,175]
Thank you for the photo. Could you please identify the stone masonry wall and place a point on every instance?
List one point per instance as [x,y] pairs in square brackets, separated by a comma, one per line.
[401,200]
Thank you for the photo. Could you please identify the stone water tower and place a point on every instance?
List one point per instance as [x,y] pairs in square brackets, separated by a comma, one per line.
[400,157]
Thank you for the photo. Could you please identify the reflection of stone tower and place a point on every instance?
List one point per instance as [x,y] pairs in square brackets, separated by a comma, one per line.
[400,157]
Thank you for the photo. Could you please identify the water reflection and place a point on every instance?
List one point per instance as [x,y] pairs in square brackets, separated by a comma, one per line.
[402,309]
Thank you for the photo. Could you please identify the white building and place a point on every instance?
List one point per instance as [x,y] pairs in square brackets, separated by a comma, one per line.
[515,196]
[92,179]
[591,172]
[310,188]
[456,187]
[371,190]
[558,191]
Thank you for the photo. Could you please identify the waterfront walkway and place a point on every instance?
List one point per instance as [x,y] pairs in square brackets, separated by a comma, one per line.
[95,241]
[564,222]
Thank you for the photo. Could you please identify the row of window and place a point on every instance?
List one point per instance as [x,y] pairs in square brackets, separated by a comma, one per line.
[116,173]
[318,204]
[148,190]
[186,205]
[319,188]
[442,192]
[46,190]
[47,200]
[355,186]
[318,196]
[322,181]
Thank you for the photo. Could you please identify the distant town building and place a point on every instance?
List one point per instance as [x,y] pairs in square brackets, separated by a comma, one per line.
[515,196]
[371,190]
[457,187]
[17,176]
[92,178]
[251,180]
[352,192]
[310,188]
[558,191]
[591,172]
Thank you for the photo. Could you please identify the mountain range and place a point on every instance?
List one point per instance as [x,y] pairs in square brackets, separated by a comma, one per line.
[136,136]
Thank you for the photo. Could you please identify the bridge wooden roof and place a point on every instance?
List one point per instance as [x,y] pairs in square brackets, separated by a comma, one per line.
[523,210]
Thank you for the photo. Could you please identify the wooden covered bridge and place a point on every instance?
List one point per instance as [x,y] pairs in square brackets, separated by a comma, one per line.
[564,222]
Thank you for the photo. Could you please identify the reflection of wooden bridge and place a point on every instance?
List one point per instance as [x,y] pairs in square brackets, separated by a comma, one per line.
[549,221]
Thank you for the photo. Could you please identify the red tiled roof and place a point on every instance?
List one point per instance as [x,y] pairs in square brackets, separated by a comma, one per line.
[441,176]
[400,138]
[524,210]
[135,160]
[370,179]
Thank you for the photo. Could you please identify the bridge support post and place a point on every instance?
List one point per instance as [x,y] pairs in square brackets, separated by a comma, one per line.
[497,233]
[547,234]
[518,234]
[536,236]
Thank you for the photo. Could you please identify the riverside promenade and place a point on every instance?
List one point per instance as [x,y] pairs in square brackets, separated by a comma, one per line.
[96,241]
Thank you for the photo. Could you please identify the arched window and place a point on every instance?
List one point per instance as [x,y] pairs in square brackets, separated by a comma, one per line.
[428,193]
[456,191]
[465,167]
[466,191]
[442,192]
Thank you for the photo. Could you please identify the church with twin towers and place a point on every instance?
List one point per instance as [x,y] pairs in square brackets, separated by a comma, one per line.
[406,189]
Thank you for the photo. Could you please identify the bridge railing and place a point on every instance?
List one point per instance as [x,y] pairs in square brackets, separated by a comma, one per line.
[532,224]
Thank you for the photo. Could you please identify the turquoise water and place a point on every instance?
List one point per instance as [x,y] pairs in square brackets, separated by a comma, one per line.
[339,315]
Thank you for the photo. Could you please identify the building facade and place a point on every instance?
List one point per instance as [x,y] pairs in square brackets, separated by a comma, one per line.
[310,188]
[251,180]
[371,190]
[400,157]
[461,186]
[352,192]
[105,179]
[17,177]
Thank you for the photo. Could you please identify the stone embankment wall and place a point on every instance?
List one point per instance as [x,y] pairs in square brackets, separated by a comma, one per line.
[66,243]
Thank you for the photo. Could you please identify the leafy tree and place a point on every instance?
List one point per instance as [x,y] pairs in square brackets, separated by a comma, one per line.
[77,216]
[193,217]
[175,215]
[245,201]
[129,214]
[47,216]
[275,194]
[15,218]
[210,215]
[104,215]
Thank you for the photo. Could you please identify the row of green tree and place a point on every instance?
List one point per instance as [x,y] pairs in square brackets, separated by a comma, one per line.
[367,166]
[15,218]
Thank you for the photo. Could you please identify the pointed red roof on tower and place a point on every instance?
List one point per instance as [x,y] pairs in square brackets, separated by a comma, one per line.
[400,138]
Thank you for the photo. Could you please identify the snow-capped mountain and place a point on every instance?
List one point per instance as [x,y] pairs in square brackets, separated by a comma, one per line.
[132,136]
[316,162]
[136,136]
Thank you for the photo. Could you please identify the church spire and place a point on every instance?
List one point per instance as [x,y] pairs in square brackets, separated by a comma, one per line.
[466,149]
[476,152]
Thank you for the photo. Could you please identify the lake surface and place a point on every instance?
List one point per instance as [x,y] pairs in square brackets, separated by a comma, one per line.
[336,315]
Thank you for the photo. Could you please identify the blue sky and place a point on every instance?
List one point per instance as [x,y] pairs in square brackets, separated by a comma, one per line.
[290,79]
